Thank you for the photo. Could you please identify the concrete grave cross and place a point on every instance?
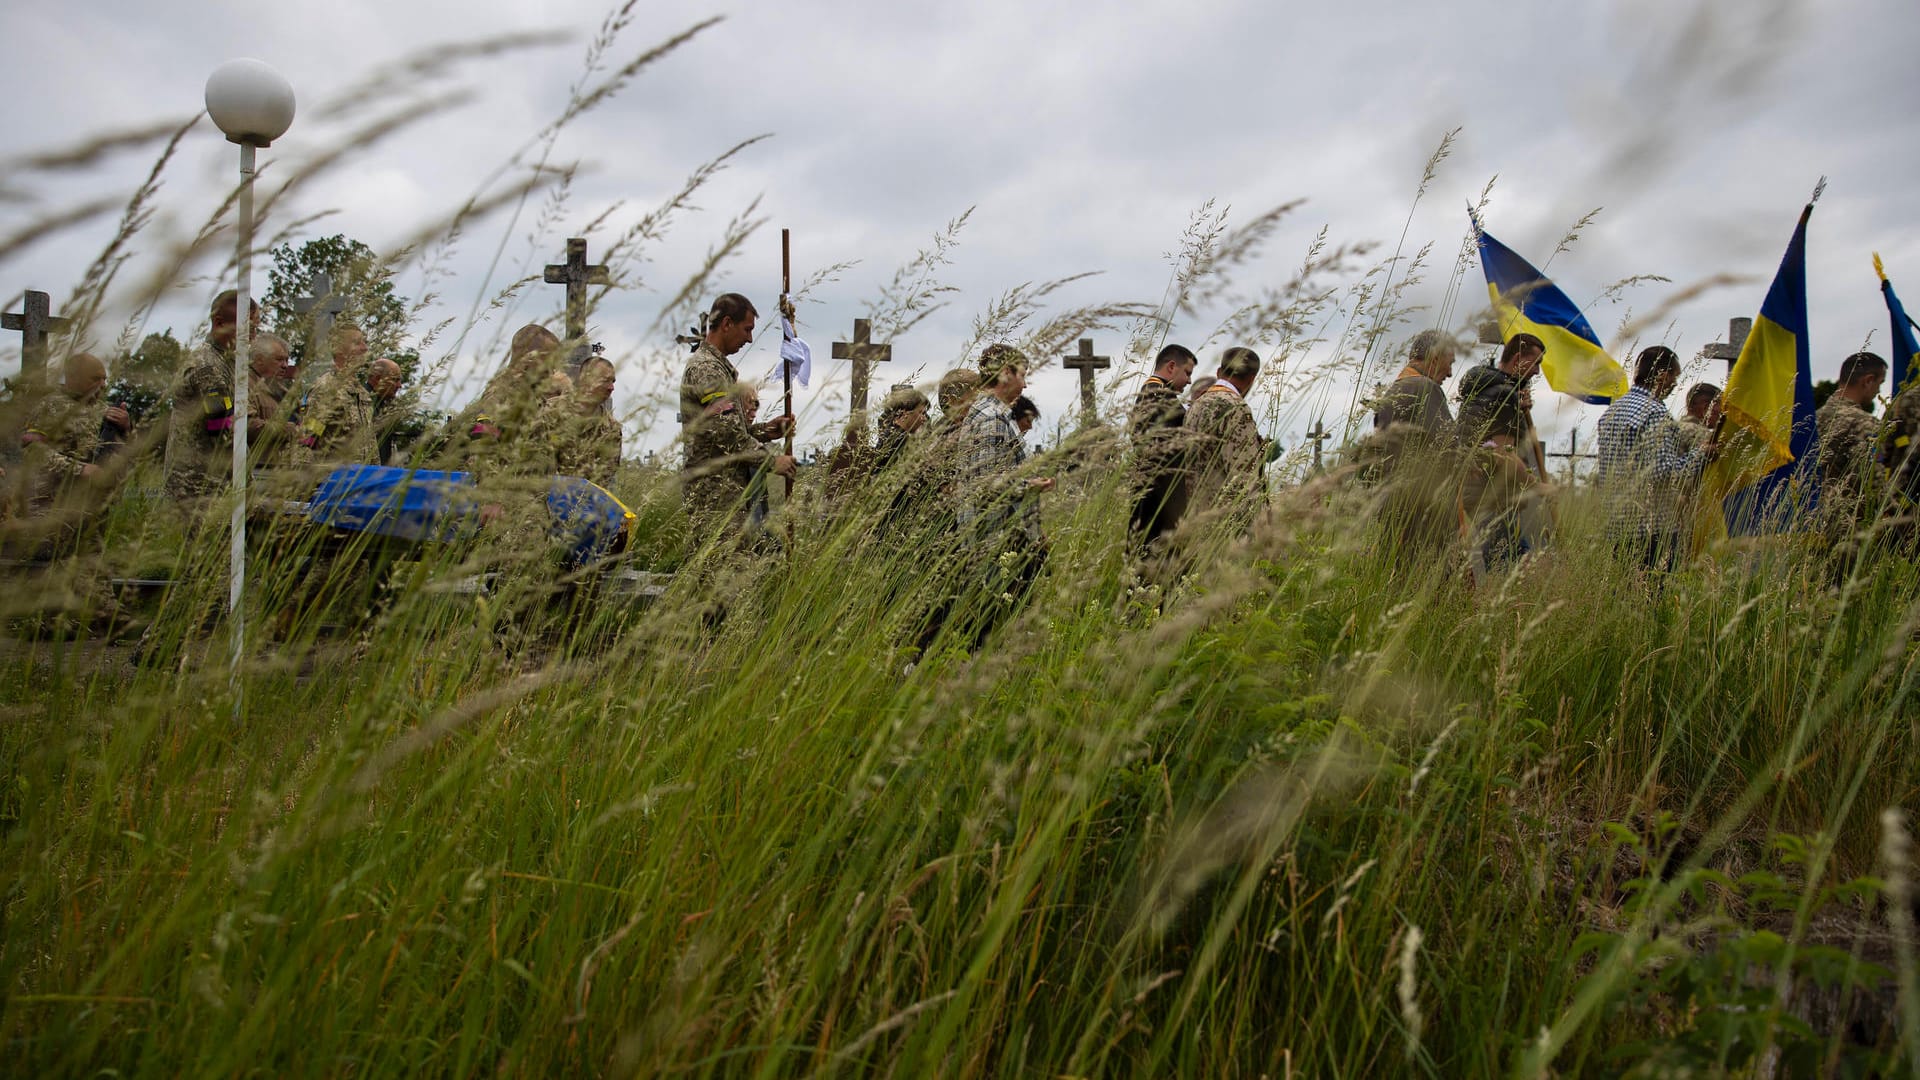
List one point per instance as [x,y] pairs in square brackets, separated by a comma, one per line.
[1318,435]
[864,352]
[1086,364]
[576,275]
[1729,350]
[323,304]
[34,320]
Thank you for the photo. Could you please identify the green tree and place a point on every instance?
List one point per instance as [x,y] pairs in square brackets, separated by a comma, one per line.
[140,378]
[359,277]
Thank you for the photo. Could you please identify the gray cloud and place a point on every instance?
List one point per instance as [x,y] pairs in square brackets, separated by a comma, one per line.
[1084,134]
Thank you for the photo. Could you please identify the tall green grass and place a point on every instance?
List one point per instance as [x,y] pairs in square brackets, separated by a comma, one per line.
[1113,841]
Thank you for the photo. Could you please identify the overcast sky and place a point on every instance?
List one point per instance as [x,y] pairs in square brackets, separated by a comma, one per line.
[1084,136]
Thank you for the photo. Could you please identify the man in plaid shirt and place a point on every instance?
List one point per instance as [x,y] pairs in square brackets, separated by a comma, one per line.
[998,516]
[1645,470]
[992,496]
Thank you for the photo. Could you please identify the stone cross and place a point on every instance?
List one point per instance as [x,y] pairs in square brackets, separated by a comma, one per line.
[1573,455]
[323,305]
[34,319]
[576,275]
[1729,350]
[1318,434]
[1086,364]
[864,352]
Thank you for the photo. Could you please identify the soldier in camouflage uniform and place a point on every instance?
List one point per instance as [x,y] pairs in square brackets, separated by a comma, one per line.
[392,418]
[500,442]
[902,413]
[63,432]
[337,425]
[721,453]
[1157,428]
[199,457]
[1703,415]
[1899,439]
[1226,453]
[923,500]
[1503,507]
[1851,480]
[584,435]
[58,447]
[495,434]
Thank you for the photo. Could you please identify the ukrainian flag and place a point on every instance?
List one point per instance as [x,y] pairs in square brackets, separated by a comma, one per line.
[1526,302]
[1764,474]
[1905,349]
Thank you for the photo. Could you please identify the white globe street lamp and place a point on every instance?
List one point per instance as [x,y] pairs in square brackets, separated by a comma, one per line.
[253,104]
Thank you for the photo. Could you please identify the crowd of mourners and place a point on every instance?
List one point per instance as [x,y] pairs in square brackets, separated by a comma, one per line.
[1650,463]
[958,489]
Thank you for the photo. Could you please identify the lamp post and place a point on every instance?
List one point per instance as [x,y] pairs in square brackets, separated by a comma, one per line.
[253,105]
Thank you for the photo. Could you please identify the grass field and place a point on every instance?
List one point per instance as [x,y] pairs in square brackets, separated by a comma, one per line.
[1319,817]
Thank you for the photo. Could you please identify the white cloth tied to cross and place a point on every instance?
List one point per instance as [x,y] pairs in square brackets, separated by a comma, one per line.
[794,352]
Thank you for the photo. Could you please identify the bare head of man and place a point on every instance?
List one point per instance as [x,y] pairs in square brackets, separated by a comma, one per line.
[730,323]
[349,347]
[267,356]
[385,378]
[222,322]
[84,376]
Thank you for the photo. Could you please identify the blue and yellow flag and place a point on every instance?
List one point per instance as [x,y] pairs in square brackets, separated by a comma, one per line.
[1525,302]
[1765,476]
[1906,351]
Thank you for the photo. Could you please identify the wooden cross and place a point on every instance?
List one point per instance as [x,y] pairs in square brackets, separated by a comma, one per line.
[576,275]
[1729,350]
[864,353]
[692,341]
[1318,434]
[323,305]
[33,320]
[1573,455]
[1086,364]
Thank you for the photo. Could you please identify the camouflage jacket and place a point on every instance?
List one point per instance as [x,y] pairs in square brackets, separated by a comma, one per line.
[708,378]
[925,479]
[336,427]
[1848,465]
[499,438]
[199,458]
[584,445]
[1157,429]
[1226,455]
[1692,434]
[721,455]
[1898,439]
[61,436]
